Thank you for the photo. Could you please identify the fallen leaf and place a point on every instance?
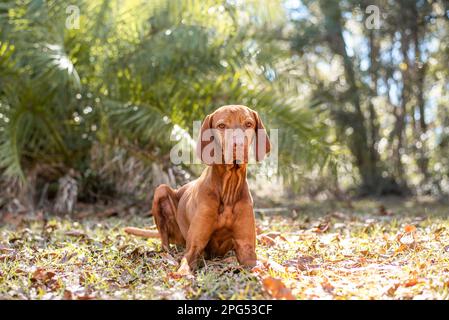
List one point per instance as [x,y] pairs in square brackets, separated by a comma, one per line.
[75,233]
[68,295]
[276,235]
[86,297]
[303,262]
[402,248]
[174,275]
[42,274]
[6,249]
[265,240]
[5,257]
[277,289]
[438,232]
[67,257]
[384,212]
[411,282]
[322,227]
[258,270]
[20,271]
[392,290]
[409,228]
[327,286]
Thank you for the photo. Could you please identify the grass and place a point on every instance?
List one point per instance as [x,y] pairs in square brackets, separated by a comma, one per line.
[321,250]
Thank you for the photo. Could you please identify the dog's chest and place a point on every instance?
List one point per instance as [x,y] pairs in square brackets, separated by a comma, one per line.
[231,187]
[226,216]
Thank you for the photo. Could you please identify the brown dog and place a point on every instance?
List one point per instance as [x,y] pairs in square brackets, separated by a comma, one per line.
[214,213]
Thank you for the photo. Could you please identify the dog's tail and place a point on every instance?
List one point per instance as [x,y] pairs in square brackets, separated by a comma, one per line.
[142,232]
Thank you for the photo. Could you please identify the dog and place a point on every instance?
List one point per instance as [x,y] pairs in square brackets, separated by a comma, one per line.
[214,213]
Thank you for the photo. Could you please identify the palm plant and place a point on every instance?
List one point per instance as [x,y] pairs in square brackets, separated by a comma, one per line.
[132,72]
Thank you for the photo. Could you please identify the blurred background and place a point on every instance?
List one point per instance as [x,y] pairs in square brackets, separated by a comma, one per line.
[92,91]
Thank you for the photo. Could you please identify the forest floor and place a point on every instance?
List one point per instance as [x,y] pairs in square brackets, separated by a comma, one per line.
[320,250]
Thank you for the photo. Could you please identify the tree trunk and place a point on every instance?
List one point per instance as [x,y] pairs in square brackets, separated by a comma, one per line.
[420,69]
[67,194]
[361,144]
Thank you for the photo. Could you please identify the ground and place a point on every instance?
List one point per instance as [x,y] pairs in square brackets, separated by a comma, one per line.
[319,250]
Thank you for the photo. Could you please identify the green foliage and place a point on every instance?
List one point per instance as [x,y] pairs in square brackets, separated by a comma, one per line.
[384,88]
[134,70]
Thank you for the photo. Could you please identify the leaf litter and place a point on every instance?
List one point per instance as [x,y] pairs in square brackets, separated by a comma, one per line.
[374,254]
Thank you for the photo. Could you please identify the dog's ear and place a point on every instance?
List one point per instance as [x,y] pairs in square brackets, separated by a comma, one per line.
[201,144]
[263,144]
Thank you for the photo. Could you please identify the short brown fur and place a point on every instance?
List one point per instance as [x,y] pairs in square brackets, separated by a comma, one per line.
[214,213]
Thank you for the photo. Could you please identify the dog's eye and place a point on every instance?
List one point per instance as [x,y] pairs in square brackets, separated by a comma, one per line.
[248,124]
[221,126]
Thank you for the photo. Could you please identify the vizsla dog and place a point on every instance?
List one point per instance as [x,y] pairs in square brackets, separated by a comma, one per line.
[214,213]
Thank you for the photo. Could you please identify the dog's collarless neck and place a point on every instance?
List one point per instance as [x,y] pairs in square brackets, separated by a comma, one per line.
[231,179]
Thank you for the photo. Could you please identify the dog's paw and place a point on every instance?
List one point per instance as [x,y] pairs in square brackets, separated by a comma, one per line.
[184,269]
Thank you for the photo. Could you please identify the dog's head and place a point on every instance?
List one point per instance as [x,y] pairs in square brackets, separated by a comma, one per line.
[227,134]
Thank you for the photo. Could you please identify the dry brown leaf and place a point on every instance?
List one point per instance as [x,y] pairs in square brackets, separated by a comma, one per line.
[174,275]
[402,248]
[10,254]
[6,249]
[438,232]
[265,240]
[84,276]
[75,233]
[270,238]
[303,261]
[276,235]
[258,270]
[392,290]
[86,297]
[411,282]
[322,227]
[327,286]
[364,252]
[277,289]
[384,212]
[41,274]
[67,257]
[68,295]
[20,271]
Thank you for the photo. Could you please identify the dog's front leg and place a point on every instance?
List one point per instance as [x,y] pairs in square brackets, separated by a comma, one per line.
[198,236]
[244,233]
